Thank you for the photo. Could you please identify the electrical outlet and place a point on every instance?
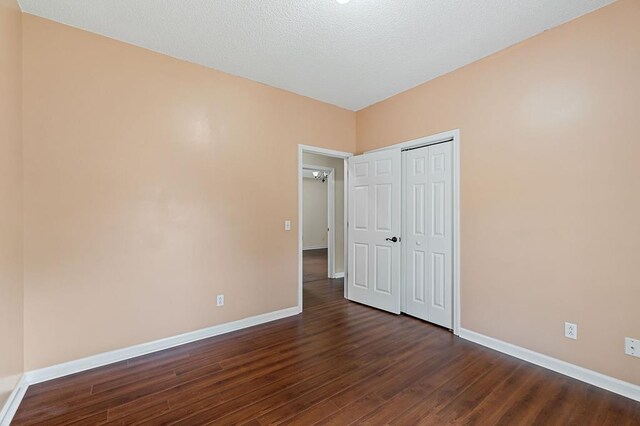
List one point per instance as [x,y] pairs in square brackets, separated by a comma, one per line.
[220,300]
[632,346]
[571,330]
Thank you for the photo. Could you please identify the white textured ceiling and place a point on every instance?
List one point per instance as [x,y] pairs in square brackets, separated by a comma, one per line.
[349,55]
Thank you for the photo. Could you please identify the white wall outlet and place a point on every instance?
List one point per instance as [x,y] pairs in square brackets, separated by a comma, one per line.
[632,346]
[571,330]
[220,300]
[287,225]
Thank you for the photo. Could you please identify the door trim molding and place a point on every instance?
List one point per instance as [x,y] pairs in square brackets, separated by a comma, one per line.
[329,153]
[594,378]
[454,137]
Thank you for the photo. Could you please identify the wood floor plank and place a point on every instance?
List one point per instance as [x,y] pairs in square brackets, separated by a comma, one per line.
[318,394]
[463,400]
[312,414]
[312,365]
[142,413]
[502,396]
[248,405]
[337,363]
[354,411]
[416,394]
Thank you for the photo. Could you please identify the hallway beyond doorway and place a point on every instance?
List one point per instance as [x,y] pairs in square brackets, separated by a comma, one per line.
[318,289]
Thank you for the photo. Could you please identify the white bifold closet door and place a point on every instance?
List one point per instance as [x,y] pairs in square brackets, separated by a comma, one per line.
[427,233]
[374,271]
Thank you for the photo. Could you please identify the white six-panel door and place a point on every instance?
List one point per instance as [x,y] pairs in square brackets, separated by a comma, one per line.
[427,233]
[374,274]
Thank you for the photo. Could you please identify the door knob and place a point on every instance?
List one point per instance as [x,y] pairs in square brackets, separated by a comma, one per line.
[393,240]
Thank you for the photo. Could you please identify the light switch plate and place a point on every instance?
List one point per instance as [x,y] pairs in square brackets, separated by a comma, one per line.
[287,225]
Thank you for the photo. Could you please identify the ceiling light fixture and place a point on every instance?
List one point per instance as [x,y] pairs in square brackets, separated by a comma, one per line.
[322,176]
[343,1]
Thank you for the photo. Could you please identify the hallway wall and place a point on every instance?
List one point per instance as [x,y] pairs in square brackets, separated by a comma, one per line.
[314,213]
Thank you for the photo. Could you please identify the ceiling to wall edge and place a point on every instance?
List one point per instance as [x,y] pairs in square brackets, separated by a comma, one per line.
[435,77]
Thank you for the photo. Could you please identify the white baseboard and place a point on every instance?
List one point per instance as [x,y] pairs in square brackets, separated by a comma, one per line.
[71,367]
[594,378]
[338,275]
[11,404]
[314,248]
[49,373]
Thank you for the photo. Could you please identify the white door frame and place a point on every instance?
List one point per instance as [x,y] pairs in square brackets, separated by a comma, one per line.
[454,137]
[329,153]
[331,215]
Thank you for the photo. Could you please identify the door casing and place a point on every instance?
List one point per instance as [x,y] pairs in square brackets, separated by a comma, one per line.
[329,153]
[331,216]
[454,137]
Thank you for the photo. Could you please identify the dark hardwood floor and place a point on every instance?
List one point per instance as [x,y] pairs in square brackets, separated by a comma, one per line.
[318,289]
[337,363]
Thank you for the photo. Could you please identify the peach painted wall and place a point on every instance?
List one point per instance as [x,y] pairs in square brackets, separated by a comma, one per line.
[11,324]
[550,163]
[151,186]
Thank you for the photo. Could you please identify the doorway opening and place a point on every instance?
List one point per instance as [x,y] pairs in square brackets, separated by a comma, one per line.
[318,212]
[322,216]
